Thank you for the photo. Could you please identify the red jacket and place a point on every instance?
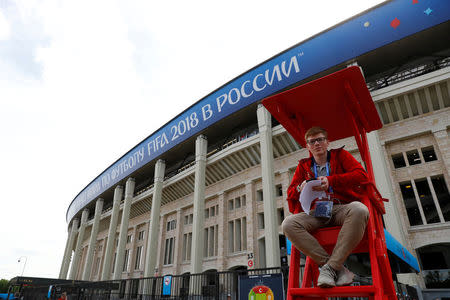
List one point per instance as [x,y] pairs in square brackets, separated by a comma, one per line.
[346,175]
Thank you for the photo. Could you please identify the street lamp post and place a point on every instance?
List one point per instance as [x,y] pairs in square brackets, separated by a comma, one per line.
[19,260]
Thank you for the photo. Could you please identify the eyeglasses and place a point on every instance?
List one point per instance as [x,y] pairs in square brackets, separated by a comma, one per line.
[313,141]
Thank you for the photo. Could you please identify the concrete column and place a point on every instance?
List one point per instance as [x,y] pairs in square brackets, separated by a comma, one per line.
[268,183]
[161,245]
[129,190]
[285,182]
[68,251]
[222,227]
[199,204]
[150,256]
[383,181]
[106,271]
[65,253]
[92,240]
[77,254]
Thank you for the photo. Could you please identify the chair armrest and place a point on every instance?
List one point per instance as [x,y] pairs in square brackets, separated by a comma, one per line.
[375,197]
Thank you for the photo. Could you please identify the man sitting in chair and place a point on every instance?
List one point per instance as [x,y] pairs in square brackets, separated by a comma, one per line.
[340,176]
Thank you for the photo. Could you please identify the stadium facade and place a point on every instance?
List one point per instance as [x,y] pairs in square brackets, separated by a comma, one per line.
[206,192]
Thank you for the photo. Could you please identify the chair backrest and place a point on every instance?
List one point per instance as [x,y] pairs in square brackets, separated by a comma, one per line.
[340,103]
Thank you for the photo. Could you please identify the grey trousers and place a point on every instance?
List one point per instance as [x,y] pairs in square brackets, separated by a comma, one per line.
[352,217]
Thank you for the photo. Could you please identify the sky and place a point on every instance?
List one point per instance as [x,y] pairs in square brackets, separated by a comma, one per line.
[82,82]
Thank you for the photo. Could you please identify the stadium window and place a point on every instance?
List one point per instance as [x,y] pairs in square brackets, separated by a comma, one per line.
[442,194]
[141,235]
[244,233]
[230,204]
[231,236]
[171,225]
[205,242]
[137,264]
[113,262]
[129,238]
[190,246]
[212,241]
[216,240]
[398,160]
[259,195]
[413,157]
[125,261]
[169,250]
[280,213]
[217,210]
[428,154]
[186,220]
[279,190]
[206,213]
[237,202]
[243,200]
[187,243]
[96,266]
[426,200]
[213,211]
[412,209]
[238,235]
[261,221]
[185,246]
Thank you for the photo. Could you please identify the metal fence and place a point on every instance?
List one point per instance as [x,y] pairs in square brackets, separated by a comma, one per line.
[207,285]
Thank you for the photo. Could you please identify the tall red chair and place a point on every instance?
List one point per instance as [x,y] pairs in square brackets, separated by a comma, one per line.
[342,104]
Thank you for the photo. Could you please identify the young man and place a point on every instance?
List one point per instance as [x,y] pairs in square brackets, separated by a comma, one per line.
[340,177]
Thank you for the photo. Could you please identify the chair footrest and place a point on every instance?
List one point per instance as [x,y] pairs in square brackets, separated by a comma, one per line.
[341,291]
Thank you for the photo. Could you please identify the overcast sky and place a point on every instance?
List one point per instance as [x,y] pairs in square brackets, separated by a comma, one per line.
[83,82]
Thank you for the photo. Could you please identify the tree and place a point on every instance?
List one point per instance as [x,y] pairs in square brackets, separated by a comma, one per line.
[4,286]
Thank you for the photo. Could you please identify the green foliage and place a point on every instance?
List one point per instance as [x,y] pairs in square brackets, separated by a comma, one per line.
[4,286]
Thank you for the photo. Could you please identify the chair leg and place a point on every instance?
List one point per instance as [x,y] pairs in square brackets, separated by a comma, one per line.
[294,271]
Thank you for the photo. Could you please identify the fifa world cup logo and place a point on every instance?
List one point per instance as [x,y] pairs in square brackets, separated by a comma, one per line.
[260,292]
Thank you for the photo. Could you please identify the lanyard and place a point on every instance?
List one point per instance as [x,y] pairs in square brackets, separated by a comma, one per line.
[328,172]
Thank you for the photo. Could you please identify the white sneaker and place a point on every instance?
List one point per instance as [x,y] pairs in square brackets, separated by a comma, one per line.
[344,277]
[327,277]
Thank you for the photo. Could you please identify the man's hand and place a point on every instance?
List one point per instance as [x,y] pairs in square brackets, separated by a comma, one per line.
[300,187]
[324,185]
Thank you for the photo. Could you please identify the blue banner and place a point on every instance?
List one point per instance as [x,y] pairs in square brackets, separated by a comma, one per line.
[401,252]
[167,285]
[377,27]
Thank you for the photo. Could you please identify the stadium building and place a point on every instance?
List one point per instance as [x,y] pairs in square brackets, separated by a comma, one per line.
[206,191]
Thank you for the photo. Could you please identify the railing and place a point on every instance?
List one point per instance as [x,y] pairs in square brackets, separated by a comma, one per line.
[207,285]
[409,73]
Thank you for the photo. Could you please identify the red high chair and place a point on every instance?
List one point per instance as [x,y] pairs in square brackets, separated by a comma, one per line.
[341,103]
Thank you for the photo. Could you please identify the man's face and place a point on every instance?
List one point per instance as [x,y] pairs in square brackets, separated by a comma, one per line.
[317,144]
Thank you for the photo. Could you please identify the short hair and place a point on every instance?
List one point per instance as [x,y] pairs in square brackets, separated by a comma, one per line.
[315,130]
